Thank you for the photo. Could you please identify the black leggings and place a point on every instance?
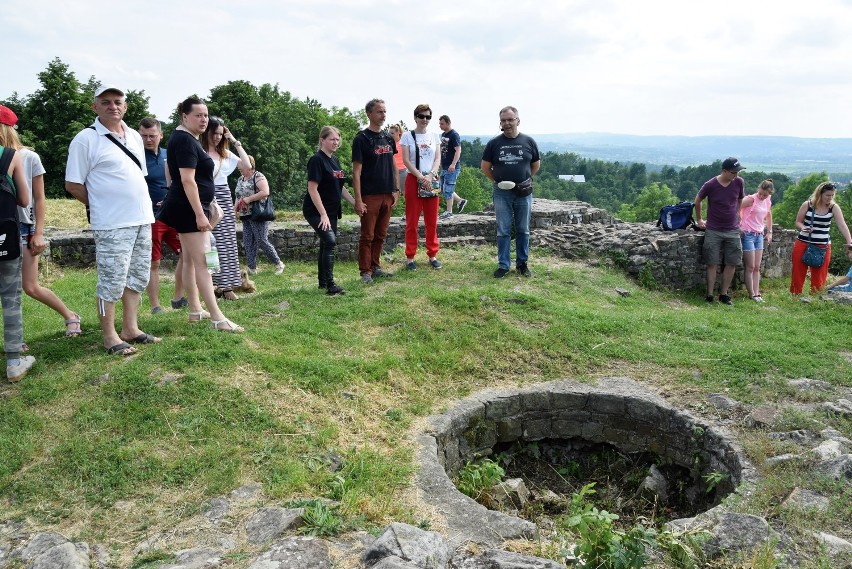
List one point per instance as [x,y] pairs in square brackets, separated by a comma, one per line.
[328,242]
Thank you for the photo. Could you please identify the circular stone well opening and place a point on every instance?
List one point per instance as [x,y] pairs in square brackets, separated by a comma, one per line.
[560,423]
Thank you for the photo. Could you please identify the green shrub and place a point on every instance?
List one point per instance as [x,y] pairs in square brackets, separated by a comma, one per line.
[474,478]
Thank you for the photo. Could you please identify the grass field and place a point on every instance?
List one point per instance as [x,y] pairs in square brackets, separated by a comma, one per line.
[87,434]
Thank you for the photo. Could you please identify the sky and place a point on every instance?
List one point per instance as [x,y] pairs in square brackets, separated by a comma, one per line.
[656,67]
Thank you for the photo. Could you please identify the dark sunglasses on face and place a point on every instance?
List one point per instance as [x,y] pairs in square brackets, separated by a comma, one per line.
[421,116]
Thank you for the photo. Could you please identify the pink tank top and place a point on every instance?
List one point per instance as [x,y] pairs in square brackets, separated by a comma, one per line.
[754,216]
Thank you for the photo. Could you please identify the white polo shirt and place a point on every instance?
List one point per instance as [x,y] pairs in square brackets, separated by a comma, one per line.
[118,194]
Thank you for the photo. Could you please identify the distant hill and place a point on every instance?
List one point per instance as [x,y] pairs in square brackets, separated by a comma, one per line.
[786,154]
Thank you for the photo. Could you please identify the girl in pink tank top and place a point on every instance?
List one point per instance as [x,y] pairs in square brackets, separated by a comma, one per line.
[755,228]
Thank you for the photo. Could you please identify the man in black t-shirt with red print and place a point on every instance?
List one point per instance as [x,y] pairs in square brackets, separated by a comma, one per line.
[375,184]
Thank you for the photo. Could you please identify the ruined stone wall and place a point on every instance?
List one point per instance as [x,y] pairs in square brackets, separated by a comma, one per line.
[573,229]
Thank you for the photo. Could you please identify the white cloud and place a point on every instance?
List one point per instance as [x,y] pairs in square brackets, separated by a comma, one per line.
[656,67]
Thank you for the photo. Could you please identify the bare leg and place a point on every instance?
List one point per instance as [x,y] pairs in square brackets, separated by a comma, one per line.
[748,272]
[154,284]
[758,257]
[178,279]
[192,245]
[711,279]
[106,315]
[44,295]
[727,279]
[130,301]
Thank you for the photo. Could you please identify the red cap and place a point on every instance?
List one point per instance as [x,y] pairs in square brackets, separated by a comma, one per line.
[7,116]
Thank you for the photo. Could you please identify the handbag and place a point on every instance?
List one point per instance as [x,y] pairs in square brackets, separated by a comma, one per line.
[814,255]
[424,188]
[261,210]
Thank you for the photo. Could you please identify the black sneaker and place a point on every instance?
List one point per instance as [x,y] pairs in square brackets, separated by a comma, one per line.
[462,204]
[334,289]
[436,264]
[411,266]
[523,270]
[725,299]
[500,273]
[179,303]
[709,298]
[378,272]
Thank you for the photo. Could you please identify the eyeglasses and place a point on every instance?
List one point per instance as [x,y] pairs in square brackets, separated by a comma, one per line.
[509,120]
[421,116]
[151,136]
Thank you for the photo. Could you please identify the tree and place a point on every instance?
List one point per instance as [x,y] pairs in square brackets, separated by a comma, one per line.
[473,186]
[648,203]
[784,213]
[55,113]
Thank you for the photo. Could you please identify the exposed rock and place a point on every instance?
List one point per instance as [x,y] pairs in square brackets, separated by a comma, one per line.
[246,492]
[805,384]
[294,553]
[426,549]
[102,557]
[841,407]
[762,417]
[735,533]
[782,458]
[64,556]
[268,523]
[40,543]
[153,542]
[838,468]
[622,292]
[499,559]
[216,509]
[511,493]
[547,496]
[394,562]
[656,485]
[722,402]
[801,436]
[196,558]
[827,450]
[834,544]
[835,435]
[803,499]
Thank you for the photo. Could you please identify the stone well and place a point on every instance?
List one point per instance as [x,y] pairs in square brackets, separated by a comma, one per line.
[617,411]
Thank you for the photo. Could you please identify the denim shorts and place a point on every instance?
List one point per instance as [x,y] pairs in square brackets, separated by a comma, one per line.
[752,241]
[448,181]
[27,232]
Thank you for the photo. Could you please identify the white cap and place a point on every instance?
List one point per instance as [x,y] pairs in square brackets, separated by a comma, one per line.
[104,88]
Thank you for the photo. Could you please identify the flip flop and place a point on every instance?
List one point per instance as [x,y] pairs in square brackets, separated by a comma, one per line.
[75,330]
[122,350]
[144,338]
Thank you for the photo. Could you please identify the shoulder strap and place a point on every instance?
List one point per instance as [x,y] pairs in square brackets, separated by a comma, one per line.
[123,148]
[6,155]
[416,151]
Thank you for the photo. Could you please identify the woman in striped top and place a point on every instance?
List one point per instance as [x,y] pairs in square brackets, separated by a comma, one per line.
[813,222]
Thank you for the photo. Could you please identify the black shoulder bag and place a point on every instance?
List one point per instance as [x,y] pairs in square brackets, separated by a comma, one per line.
[261,210]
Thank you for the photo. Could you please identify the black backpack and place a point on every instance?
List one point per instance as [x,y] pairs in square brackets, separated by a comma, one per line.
[10,233]
[677,216]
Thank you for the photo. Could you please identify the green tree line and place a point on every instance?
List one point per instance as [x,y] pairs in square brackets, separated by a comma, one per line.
[282,132]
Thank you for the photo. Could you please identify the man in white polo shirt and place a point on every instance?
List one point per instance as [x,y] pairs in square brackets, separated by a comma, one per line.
[106,171]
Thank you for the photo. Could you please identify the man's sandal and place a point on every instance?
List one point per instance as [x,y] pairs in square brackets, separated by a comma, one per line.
[144,338]
[199,316]
[226,326]
[75,329]
[122,349]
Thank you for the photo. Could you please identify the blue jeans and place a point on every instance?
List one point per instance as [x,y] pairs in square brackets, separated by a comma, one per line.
[512,212]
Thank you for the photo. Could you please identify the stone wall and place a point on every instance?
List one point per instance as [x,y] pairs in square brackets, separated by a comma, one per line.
[572,229]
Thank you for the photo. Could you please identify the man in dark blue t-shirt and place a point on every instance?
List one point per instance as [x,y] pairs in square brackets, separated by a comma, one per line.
[510,160]
[155,160]
[450,165]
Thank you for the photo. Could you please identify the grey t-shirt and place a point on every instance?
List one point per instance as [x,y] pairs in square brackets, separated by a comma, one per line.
[511,158]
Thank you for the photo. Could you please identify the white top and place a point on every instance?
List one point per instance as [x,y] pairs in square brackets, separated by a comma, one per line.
[223,169]
[118,194]
[430,146]
[32,169]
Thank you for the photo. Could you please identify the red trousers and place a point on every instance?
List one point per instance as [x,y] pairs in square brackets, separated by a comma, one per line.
[414,206]
[800,270]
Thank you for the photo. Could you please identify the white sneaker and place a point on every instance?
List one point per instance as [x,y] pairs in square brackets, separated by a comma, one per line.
[16,372]
[279,268]
[251,271]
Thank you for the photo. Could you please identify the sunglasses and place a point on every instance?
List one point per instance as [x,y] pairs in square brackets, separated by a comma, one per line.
[422,116]
[828,187]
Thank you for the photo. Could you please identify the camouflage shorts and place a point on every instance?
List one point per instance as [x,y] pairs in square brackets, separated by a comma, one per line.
[124,260]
